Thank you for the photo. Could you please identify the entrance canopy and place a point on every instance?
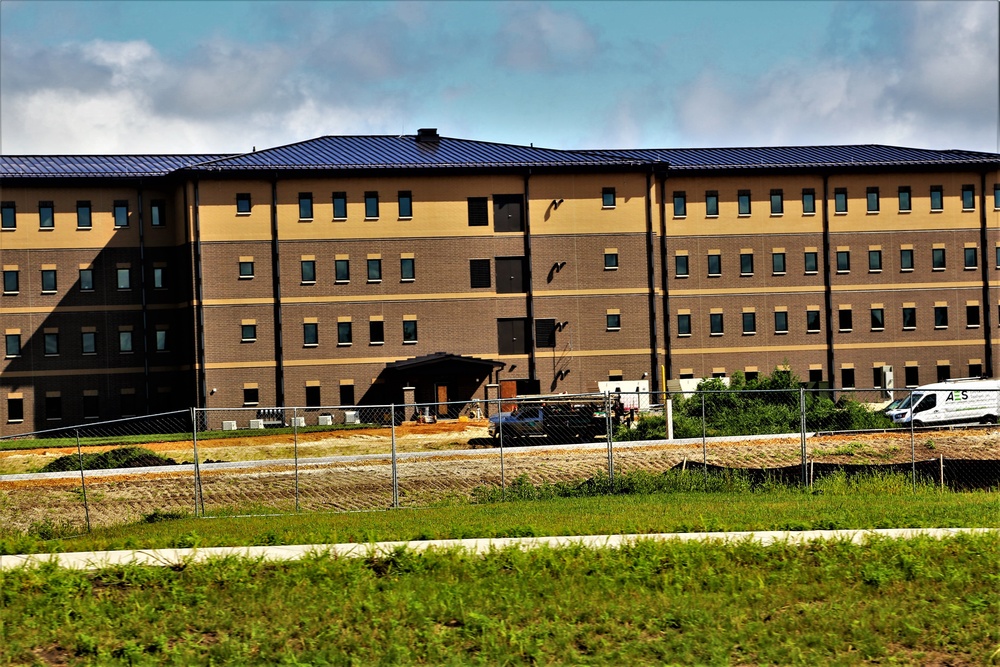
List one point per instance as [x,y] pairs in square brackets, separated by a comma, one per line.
[441,359]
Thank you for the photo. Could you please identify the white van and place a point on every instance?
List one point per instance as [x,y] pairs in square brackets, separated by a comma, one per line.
[956,402]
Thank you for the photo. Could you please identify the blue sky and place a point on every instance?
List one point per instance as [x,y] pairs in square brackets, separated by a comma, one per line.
[103,77]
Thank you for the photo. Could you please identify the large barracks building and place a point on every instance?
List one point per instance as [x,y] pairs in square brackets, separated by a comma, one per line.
[352,270]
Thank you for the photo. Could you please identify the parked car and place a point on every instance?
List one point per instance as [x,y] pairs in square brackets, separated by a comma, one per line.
[962,402]
[555,418]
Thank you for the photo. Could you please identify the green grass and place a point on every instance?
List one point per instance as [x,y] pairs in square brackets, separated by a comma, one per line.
[43,443]
[914,601]
[836,503]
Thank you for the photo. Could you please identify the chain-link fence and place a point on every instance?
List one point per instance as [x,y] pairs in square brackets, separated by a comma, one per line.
[339,458]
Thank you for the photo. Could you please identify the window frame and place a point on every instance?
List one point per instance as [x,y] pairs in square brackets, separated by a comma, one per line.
[89,273]
[84,214]
[909,318]
[307,271]
[126,342]
[345,334]
[404,202]
[682,266]
[940,317]
[716,324]
[46,215]
[161,341]
[49,281]
[407,269]
[749,323]
[126,284]
[774,263]
[608,198]
[306,211]
[341,277]
[968,198]
[973,253]
[937,198]
[872,203]
[246,264]
[88,339]
[610,261]
[120,213]
[744,203]
[157,213]
[11,281]
[159,277]
[839,201]
[972,322]
[712,204]
[680,204]
[876,322]
[12,346]
[8,216]
[905,198]
[248,333]
[814,321]
[244,203]
[746,264]
[376,264]
[339,205]
[939,259]
[310,334]
[808,201]
[780,322]
[613,321]
[777,202]
[842,320]
[874,261]
[843,261]
[371,205]
[410,332]
[807,255]
[376,326]
[683,325]
[906,260]
[715,258]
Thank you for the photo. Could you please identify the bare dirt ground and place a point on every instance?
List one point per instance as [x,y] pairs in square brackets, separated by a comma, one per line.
[421,481]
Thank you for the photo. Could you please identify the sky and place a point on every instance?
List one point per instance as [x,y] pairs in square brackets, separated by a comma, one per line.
[201,77]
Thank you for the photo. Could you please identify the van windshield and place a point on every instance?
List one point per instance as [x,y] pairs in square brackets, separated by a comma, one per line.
[912,398]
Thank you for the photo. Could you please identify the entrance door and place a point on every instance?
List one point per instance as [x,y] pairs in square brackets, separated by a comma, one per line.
[508,389]
[442,398]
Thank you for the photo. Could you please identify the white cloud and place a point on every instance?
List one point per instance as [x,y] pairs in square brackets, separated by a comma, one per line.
[935,88]
[540,38]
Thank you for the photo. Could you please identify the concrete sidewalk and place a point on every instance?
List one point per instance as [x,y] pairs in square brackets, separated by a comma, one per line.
[92,560]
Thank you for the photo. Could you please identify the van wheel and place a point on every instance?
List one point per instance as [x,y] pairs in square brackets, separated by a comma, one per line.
[918,424]
[990,419]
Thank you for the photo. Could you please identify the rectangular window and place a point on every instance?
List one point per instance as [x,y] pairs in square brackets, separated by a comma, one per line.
[347,394]
[161,340]
[340,206]
[610,261]
[715,324]
[840,200]
[972,316]
[53,407]
[479,273]
[845,320]
[812,321]
[8,215]
[124,278]
[614,321]
[88,342]
[681,268]
[371,205]
[310,334]
[746,264]
[86,280]
[749,323]
[248,333]
[905,205]
[971,258]
[12,345]
[308,270]
[48,281]
[121,213]
[374,270]
[996,196]
[342,270]
[940,317]
[968,198]
[15,409]
[777,202]
[376,332]
[943,373]
[84,219]
[872,200]
[998,257]
[545,333]
[778,263]
[251,396]
[811,262]
[46,215]
[124,341]
[608,198]
[409,331]
[313,399]
[808,201]
[11,282]
[843,261]
[909,318]
[91,406]
[874,260]
[159,278]
[975,371]
[305,206]
[743,199]
[780,322]
[715,265]
[912,376]
[847,378]
[243,203]
[937,198]
[878,319]
[479,215]
[680,204]
[407,269]
[906,259]
[405,204]
[158,213]
[684,324]
[246,269]
[938,259]
[345,335]
[711,203]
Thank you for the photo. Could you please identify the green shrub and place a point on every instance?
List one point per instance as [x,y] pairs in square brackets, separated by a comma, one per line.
[120,457]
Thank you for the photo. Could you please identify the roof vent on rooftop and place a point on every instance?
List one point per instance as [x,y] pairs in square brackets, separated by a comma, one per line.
[427,134]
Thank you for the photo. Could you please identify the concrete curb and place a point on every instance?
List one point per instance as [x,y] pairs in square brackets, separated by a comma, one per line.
[94,560]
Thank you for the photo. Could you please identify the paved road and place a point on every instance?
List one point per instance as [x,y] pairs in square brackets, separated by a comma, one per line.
[93,560]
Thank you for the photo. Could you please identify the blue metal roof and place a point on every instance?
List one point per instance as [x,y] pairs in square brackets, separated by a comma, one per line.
[120,166]
[800,157]
[405,151]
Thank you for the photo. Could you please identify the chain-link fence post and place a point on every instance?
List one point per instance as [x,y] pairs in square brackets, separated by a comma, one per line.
[802,431]
[395,477]
[704,438]
[295,452]
[198,499]
[913,447]
[503,478]
[608,428]
[83,481]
